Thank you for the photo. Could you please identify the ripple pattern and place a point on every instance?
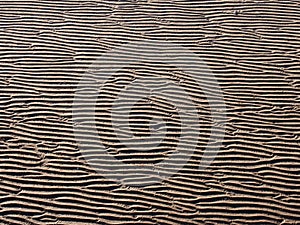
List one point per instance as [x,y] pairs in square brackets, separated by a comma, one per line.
[252,48]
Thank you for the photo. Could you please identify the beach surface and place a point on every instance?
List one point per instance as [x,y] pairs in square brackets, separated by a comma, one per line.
[250,47]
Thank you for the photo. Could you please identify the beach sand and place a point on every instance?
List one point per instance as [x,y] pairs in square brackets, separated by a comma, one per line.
[250,47]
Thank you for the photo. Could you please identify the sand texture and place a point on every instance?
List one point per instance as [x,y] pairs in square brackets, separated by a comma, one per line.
[252,48]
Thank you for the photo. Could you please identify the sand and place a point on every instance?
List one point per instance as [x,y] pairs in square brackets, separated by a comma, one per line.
[250,47]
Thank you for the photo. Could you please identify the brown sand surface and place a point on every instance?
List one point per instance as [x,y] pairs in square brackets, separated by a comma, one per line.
[251,47]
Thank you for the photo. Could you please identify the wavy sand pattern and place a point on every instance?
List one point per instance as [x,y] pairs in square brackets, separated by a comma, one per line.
[252,48]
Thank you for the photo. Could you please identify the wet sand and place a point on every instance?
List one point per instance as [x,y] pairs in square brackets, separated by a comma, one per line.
[251,47]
